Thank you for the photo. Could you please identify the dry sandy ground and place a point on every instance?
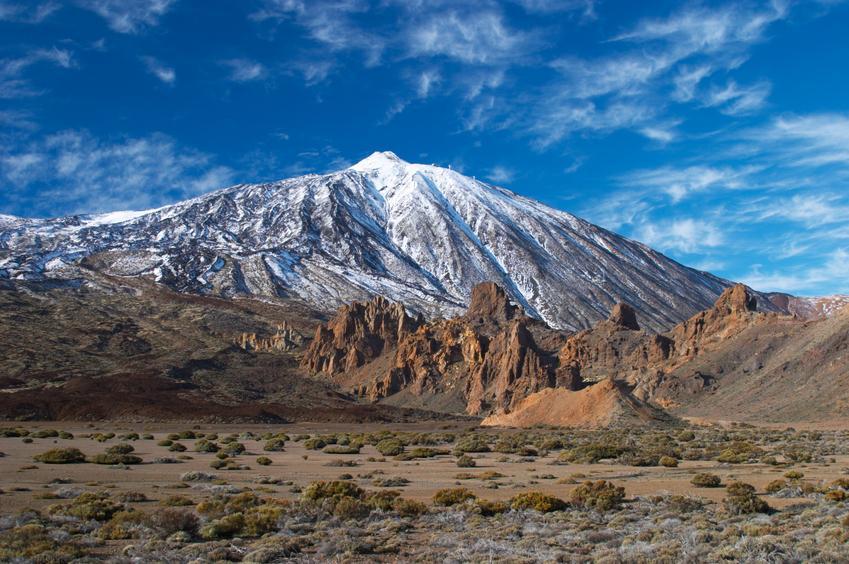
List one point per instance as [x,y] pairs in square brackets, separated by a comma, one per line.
[23,481]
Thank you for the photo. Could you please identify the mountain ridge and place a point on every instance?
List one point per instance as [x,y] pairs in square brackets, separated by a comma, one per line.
[418,234]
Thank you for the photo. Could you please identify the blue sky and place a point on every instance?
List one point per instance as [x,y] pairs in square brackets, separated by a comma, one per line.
[717,133]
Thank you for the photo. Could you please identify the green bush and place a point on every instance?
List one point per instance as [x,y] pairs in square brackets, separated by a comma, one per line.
[705,480]
[668,462]
[176,501]
[61,456]
[409,507]
[170,520]
[590,454]
[261,519]
[177,447]
[390,447]
[471,443]
[317,491]
[490,508]
[466,461]
[600,495]
[452,496]
[315,443]
[112,458]
[742,499]
[274,445]
[537,501]
[234,449]
[223,528]
[263,461]
[205,445]
[775,486]
[340,449]
[88,506]
[351,508]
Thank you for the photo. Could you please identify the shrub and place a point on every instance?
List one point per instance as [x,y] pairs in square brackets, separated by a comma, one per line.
[122,525]
[339,449]
[205,445]
[382,500]
[705,480]
[177,447]
[263,461]
[122,448]
[170,520]
[409,507]
[165,443]
[33,542]
[389,447]
[351,508]
[668,462]
[537,501]
[452,496]
[223,528]
[197,476]
[261,519]
[836,495]
[61,456]
[111,458]
[794,475]
[466,461]
[44,434]
[742,500]
[775,486]
[590,454]
[600,495]
[317,491]
[88,506]
[315,443]
[274,445]
[490,508]
[471,443]
[234,449]
[176,501]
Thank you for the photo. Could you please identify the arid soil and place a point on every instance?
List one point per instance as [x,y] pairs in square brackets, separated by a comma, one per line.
[794,472]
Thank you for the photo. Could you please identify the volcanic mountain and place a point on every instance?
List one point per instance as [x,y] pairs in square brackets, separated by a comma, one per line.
[416,234]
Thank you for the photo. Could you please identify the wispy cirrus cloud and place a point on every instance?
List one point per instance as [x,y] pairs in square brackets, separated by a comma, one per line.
[28,12]
[160,70]
[13,84]
[245,70]
[129,16]
[80,173]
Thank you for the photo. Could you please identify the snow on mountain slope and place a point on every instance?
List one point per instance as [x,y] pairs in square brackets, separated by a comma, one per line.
[422,235]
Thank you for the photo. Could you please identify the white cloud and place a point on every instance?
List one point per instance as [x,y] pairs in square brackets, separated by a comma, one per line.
[479,38]
[129,16]
[831,273]
[813,140]
[75,172]
[12,83]
[29,13]
[685,235]
[733,99]
[245,70]
[501,174]
[329,22]
[687,80]
[164,73]
[678,183]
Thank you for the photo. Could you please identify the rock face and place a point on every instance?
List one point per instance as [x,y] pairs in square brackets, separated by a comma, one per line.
[490,357]
[496,362]
[284,339]
[359,333]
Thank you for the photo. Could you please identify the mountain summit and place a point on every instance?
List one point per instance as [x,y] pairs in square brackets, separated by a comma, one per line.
[418,234]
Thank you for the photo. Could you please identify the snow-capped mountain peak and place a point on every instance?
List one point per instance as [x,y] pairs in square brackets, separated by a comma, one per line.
[415,233]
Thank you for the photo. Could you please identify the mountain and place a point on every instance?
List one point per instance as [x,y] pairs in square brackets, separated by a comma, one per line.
[417,234]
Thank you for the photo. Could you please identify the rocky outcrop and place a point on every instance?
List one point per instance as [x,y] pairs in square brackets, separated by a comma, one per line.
[285,339]
[359,333]
[490,357]
[494,358]
[606,404]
